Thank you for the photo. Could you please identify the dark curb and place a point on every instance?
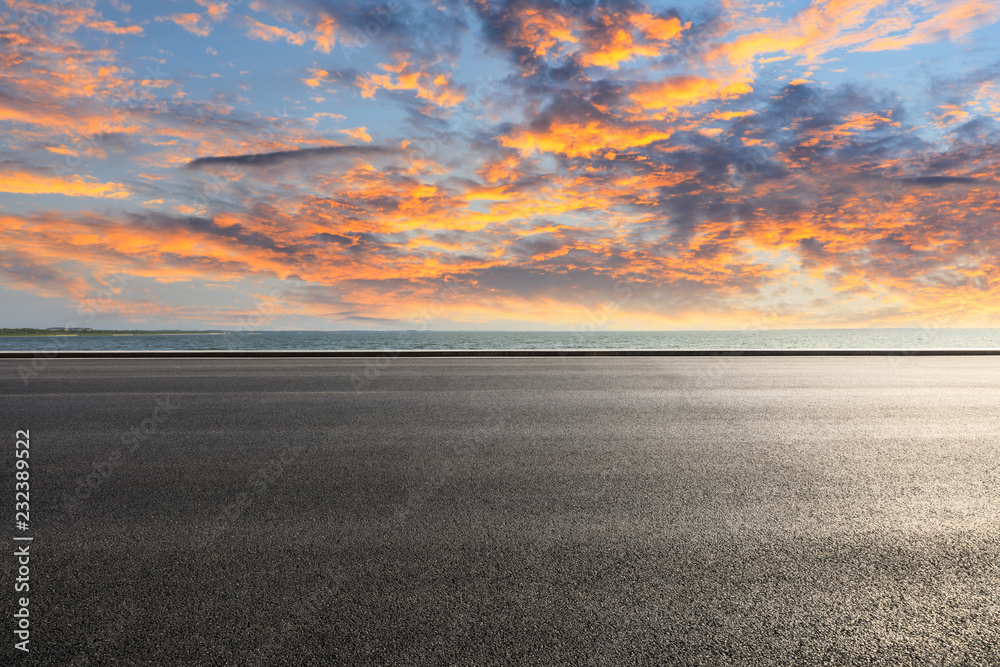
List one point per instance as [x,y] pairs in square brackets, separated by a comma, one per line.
[237,354]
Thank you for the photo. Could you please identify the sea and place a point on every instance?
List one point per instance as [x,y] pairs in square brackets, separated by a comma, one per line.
[777,339]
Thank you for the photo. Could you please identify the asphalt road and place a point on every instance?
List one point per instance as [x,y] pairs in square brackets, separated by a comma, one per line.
[605,511]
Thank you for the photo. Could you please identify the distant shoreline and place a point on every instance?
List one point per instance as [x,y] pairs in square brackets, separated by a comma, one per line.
[102,333]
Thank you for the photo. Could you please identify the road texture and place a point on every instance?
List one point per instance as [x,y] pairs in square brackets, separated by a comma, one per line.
[493,511]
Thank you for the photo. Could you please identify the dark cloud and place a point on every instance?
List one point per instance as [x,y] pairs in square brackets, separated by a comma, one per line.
[429,32]
[359,243]
[938,181]
[957,88]
[335,238]
[278,157]
[18,268]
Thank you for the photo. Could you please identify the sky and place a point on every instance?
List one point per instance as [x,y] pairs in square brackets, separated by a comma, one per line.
[488,164]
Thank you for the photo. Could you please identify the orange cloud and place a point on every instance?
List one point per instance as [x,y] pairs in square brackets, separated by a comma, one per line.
[217,10]
[681,91]
[270,33]
[619,48]
[581,139]
[113,28]
[543,32]
[729,115]
[317,78]
[658,29]
[22,182]
[624,38]
[604,39]
[325,34]
[200,24]
[437,89]
[196,24]
[501,168]
[359,133]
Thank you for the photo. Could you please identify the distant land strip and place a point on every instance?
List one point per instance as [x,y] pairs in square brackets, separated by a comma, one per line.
[235,354]
[25,332]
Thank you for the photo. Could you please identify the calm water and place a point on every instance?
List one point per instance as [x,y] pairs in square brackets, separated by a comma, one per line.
[437,340]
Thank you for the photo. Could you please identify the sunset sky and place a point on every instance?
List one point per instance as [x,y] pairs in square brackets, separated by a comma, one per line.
[479,164]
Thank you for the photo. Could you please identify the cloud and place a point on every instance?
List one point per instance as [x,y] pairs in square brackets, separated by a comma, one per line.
[358,133]
[269,33]
[325,34]
[435,88]
[26,271]
[938,181]
[681,91]
[200,24]
[613,38]
[951,21]
[217,9]
[112,28]
[581,138]
[592,35]
[196,24]
[20,181]
[206,226]
[278,157]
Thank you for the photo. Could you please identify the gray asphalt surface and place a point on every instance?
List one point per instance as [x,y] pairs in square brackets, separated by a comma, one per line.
[656,511]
